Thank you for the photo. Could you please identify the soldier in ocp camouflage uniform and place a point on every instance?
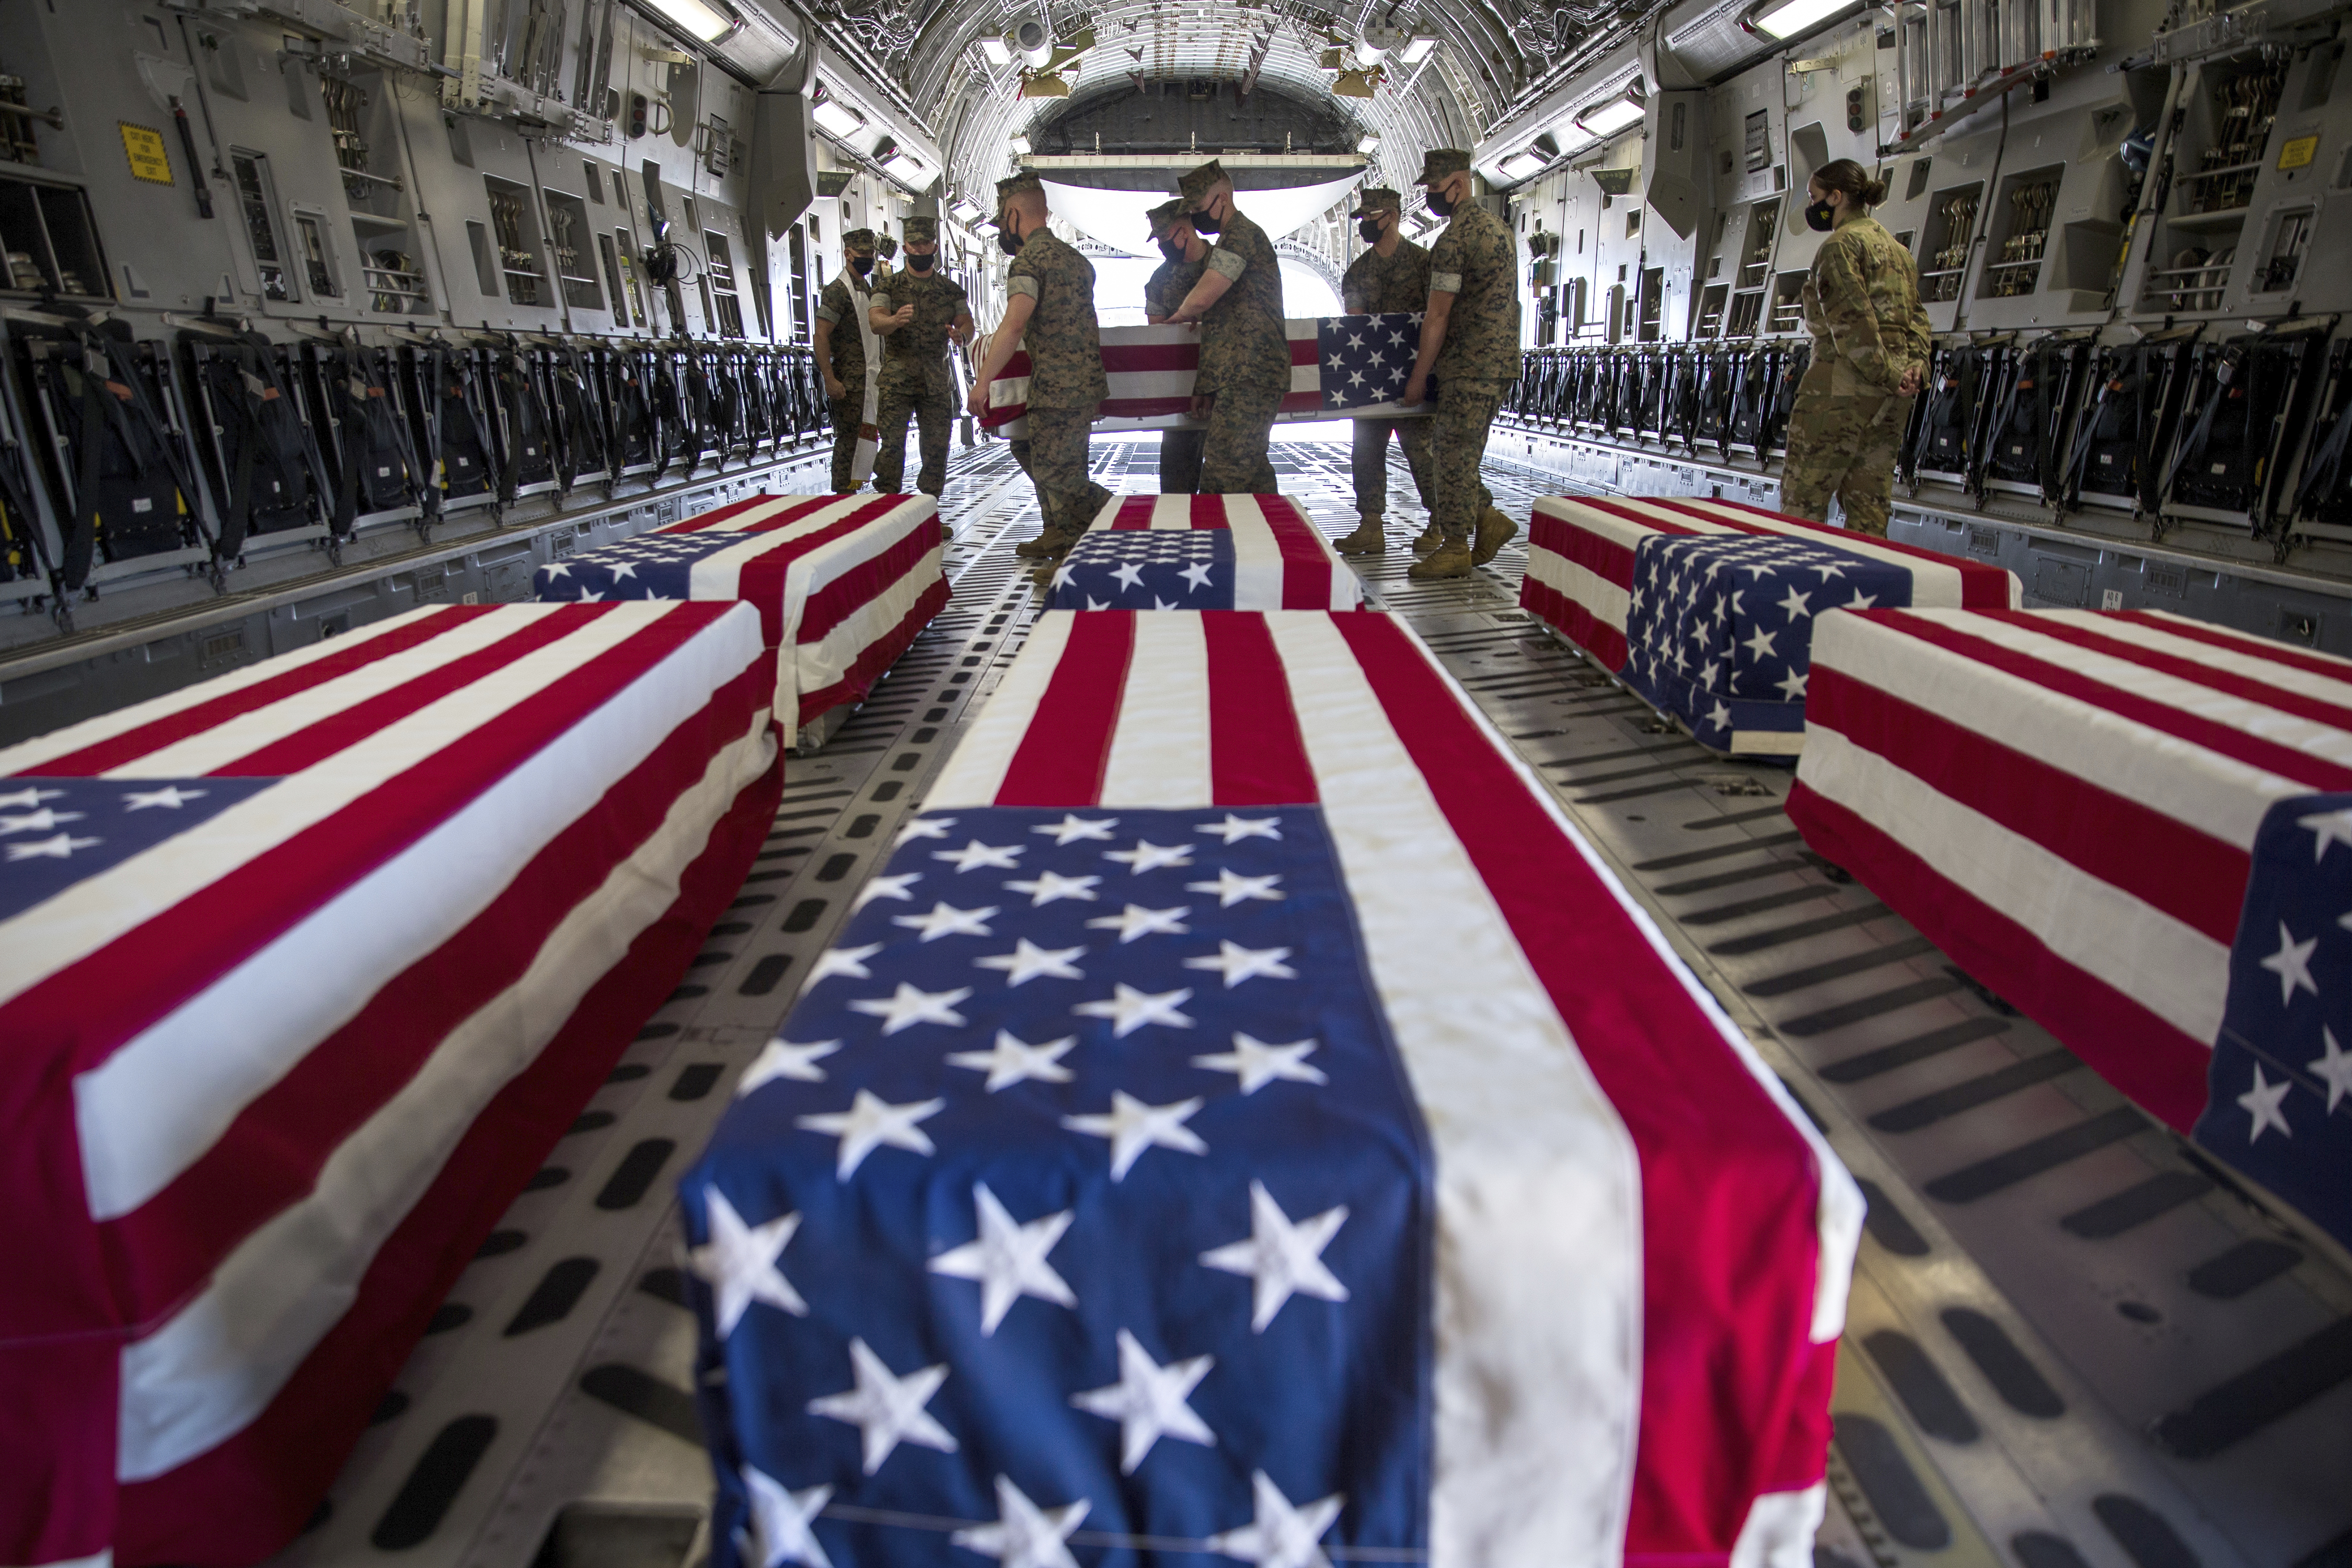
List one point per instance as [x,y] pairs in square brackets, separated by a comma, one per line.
[1870,354]
[1050,304]
[1244,352]
[1186,258]
[841,352]
[1470,345]
[918,310]
[1390,277]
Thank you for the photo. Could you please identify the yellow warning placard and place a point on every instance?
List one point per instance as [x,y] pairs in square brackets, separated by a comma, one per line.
[145,150]
[2298,153]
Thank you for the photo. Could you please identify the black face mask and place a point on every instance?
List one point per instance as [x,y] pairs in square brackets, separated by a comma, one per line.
[1171,249]
[1820,217]
[1206,223]
[1440,204]
[861,265]
[1371,229]
[1007,243]
[920,263]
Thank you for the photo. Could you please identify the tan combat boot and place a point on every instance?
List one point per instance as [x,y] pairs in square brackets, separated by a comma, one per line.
[1049,543]
[1495,531]
[1450,559]
[1428,538]
[1370,538]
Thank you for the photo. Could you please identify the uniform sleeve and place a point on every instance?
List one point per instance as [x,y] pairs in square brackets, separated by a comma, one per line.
[879,300]
[1022,278]
[1228,264]
[1923,342]
[828,305]
[1355,294]
[1445,265]
[1851,320]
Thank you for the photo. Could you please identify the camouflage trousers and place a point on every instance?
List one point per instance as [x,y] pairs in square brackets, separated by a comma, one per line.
[1179,461]
[1058,466]
[927,392]
[1843,445]
[1233,460]
[1457,439]
[1371,461]
[845,411]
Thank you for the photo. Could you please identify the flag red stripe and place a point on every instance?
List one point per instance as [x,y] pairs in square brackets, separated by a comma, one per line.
[170,728]
[2254,752]
[1575,621]
[87,1009]
[760,582]
[1723,1237]
[867,580]
[711,522]
[2252,647]
[246,1500]
[1208,511]
[2195,878]
[1982,586]
[878,656]
[347,727]
[2144,1056]
[2269,693]
[1257,756]
[271,1155]
[1306,559]
[1062,754]
[1638,519]
[1134,511]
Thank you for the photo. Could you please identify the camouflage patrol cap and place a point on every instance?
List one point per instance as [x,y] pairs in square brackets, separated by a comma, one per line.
[1377,199]
[921,230]
[1164,217]
[884,247]
[1441,163]
[1194,187]
[858,239]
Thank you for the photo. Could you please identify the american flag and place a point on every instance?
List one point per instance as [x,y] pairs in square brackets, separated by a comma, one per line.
[2276,1107]
[1708,608]
[2069,802]
[843,584]
[1204,553]
[1349,365]
[309,966]
[1244,1117]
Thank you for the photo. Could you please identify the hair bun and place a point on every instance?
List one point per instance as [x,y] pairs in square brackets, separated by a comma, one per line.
[1873,191]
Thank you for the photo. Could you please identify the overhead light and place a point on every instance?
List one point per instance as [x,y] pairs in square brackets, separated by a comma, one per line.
[996,51]
[1523,165]
[1368,142]
[708,22]
[836,119]
[909,171]
[1414,53]
[964,209]
[1786,19]
[1020,146]
[1617,114]
[1032,42]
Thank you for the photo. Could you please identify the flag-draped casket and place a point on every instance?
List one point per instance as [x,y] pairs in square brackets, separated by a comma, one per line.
[2132,826]
[1706,608]
[308,967]
[1341,367]
[1244,1117]
[843,584]
[1204,553]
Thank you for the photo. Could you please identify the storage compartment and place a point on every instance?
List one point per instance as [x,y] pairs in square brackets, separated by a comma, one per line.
[567,242]
[514,228]
[1788,303]
[1951,225]
[2020,236]
[51,244]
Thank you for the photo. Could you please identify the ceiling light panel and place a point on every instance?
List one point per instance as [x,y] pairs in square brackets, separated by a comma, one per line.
[706,21]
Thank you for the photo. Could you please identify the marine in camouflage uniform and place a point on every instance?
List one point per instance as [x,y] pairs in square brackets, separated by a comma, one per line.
[1375,285]
[1244,352]
[1472,274]
[1066,373]
[1186,258]
[842,306]
[1861,301]
[915,379]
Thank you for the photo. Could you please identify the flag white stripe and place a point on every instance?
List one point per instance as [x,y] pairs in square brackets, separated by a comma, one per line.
[219,1361]
[1168,511]
[1578,584]
[247,733]
[1933,583]
[975,770]
[810,667]
[1159,747]
[27,756]
[157,1104]
[1540,1273]
[2250,664]
[1257,558]
[2176,972]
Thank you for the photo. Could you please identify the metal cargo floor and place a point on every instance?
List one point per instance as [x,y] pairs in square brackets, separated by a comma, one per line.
[2071,1343]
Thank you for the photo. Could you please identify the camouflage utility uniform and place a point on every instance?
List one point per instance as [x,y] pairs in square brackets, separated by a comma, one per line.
[843,303]
[915,379]
[1377,285]
[1245,355]
[1180,450]
[1861,301]
[1477,261]
[1065,378]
